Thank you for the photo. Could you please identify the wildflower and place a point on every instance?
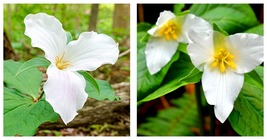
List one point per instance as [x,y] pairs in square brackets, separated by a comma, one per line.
[65,87]
[224,60]
[166,35]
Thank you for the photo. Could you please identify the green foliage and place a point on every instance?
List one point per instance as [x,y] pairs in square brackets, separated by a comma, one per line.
[69,37]
[256,30]
[143,27]
[106,91]
[232,18]
[90,80]
[22,82]
[146,82]
[247,115]
[217,28]
[23,110]
[35,62]
[182,72]
[174,121]
[177,8]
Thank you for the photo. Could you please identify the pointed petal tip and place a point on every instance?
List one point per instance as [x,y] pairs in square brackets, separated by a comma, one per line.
[64,95]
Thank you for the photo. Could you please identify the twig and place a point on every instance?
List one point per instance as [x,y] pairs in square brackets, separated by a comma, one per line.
[124,53]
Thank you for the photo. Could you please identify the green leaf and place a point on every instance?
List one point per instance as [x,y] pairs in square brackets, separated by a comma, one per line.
[247,115]
[217,28]
[183,47]
[256,30]
[182,72]
[69,37]
[143,27]
[106,91]
[147,83]
[23,113]
[90,80]
[22,116]
[232,18]
[27,82]
[175,121]
[177,8]
[35,62]
[145,38]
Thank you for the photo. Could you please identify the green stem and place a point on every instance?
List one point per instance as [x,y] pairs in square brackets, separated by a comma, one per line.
[212,120]
[199,107]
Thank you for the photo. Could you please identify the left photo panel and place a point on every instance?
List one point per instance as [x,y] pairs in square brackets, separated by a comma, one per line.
[66,70]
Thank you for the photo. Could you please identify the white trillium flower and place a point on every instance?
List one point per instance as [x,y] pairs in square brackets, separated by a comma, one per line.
[65,87]
[224,60]
[166,35]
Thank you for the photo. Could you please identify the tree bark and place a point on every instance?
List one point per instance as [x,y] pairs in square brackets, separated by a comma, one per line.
[121,17]
[93,18]
[8,50]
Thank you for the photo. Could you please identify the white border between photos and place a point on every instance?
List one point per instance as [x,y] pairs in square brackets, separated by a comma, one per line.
[133,66]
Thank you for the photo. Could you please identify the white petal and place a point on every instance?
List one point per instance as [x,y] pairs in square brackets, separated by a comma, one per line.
[152,31]
[164,17]
[221,90]
[159,52]
[90,51]
[201,51]
[199,25]
[46,33]
[65,91]
[247,50]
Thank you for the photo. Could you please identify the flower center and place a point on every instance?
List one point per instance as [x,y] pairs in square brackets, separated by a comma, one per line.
[170,30]
[60,63]
[223,59]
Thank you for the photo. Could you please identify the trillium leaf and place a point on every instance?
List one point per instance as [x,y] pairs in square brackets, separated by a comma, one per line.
[106,91]
[27,82]
[143,27]
[23,115]
[217,28]
[177,8]
[232,18]
[178,120]
[147,83]
[256,30]
[247,115]
[182,72]
[69,37]
[35,62]
[90,80]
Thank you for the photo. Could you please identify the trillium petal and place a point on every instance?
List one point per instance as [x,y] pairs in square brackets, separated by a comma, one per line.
[164,17]
[221,90]
[199,25]
[201,51]
[247,50]
[90,51]
[159,52]
[65,91]
[46,33]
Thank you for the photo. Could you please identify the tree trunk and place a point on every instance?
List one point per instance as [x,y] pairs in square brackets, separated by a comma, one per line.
[93,18]
[121,17]
[8,50]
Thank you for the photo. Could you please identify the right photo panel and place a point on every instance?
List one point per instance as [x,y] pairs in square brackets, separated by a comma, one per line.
[200,69]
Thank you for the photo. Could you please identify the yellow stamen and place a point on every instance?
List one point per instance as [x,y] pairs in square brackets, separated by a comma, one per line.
[223,59]
[170,30]
[60,63]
